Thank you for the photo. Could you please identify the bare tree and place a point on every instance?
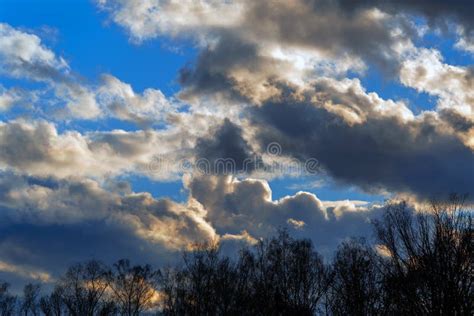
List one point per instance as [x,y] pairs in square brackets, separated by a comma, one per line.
[134,287]
[52,304]
[356,280]
[429,267]
[423,264]
[7,301]
[203,286]
[289,276]
[30,304]
[83,288]
[279,276]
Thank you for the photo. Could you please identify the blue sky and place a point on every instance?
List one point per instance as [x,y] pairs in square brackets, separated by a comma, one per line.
[93,45]
[102,102]
[79,31]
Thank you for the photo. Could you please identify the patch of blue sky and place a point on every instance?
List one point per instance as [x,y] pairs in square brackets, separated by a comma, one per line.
[446,45]
[324,188]
[158,189]
[78,33]
[374,80]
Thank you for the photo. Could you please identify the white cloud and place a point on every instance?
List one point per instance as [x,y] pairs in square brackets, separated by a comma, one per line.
[119,99]
[22,54]
[25,272]
[246,205]
[152,18]
[425,71]
[8,97]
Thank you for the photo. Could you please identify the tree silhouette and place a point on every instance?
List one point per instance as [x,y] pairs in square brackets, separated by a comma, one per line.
[420,263]
[288,275]
[278,276]
[205,284]
[356,280]
[7,301]
[52,304]
[30,305]
[134,287]
[83,288]
[429,264]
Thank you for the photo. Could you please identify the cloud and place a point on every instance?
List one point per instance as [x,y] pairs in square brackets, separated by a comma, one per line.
[266,73]
[16,97]
[361,139]
[25,272]
[439,14]
[49,224]
[123,103]
[152,18]
[47,201]
[245,45]
[236,206]
[258,43]
[315,118]
[453,85]
[37,148]
[227,142]
[22,54]
[466,44]
[296,223]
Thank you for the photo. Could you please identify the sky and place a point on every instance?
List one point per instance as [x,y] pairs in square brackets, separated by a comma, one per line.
[134,129]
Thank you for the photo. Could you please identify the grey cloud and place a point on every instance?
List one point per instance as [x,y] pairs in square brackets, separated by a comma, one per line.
[22,146]
[457,121]
[46,202]
[37,148]
[49,224]
[241,51]
[239,67]
[236,206]
[226,142]
[417,156]
[236,48]
[359,138]
[210,72]
[438,13]
[327,26]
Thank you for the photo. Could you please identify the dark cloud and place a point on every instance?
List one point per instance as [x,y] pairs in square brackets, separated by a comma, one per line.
[23,146]
[227,142]
[457,121]
[210,72]
[320,27]
[417,156]
[326,26]
[438,12]
[47,224]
